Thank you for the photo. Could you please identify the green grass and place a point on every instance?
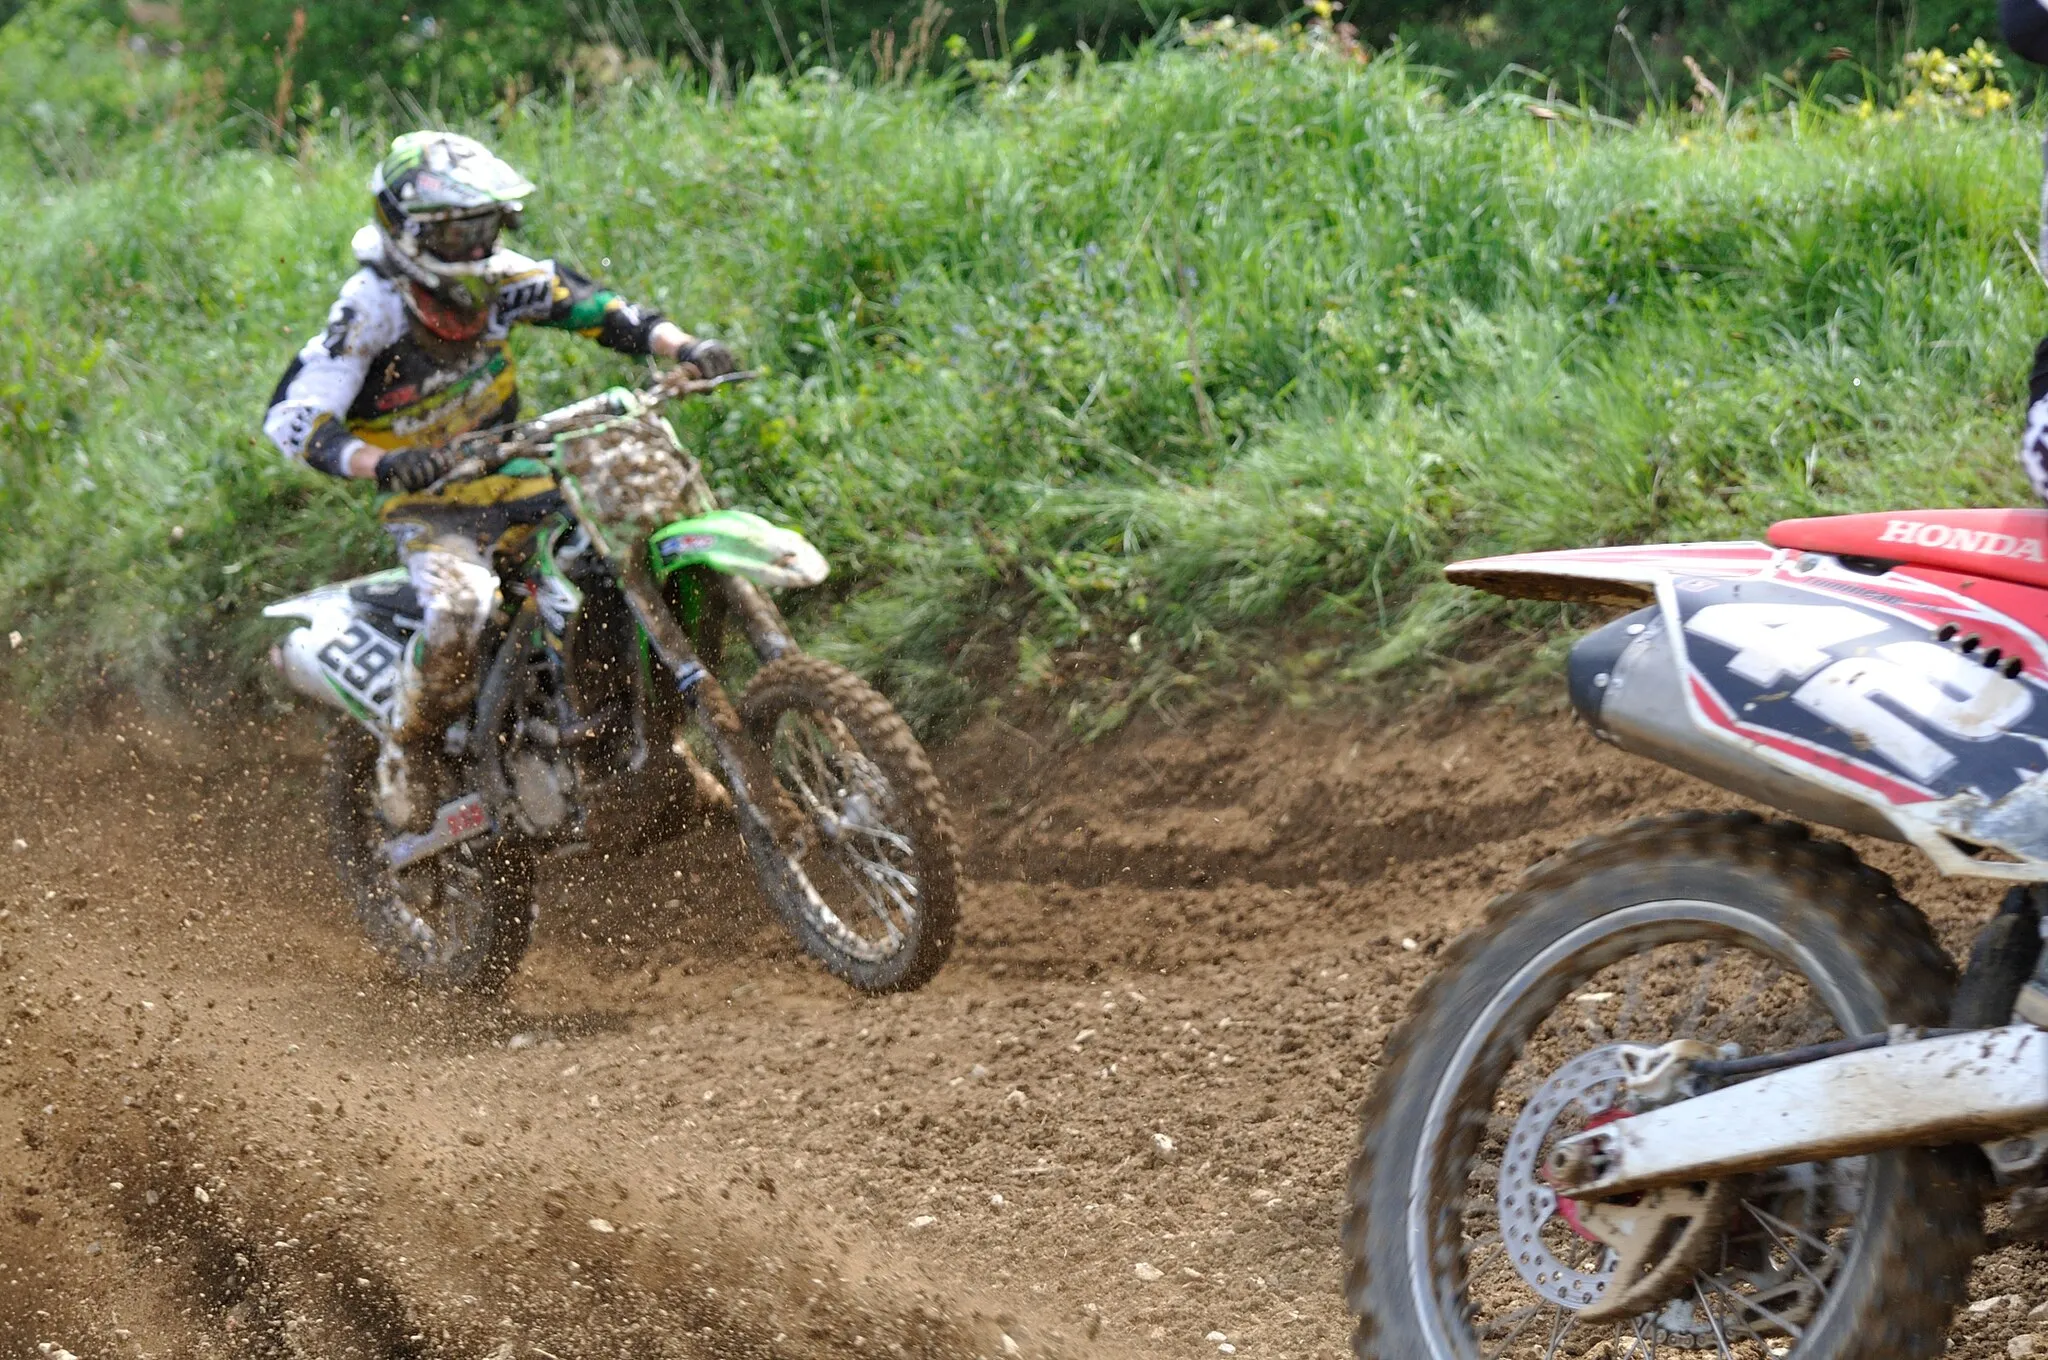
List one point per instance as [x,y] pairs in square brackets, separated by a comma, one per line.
[1107,380]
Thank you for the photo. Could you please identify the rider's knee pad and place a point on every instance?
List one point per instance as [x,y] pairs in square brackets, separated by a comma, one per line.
[456,598]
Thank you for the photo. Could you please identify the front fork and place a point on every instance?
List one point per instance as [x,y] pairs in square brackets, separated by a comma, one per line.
[759,617]
[769,823]
[746,767]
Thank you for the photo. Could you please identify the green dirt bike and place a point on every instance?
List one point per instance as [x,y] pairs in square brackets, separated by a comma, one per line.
[599,720]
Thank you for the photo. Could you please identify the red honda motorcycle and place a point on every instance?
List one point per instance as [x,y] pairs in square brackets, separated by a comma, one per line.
[1708,1083]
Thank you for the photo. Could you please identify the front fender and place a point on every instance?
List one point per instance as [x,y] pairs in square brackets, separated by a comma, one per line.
[735,543]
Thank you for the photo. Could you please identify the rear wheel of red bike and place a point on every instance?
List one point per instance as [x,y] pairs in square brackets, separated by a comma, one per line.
[1730,930]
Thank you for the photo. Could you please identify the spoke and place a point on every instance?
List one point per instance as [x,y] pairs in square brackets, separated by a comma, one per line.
[1477,1255]
[826,769]
[887,874]
[1747,1305]
[1482,1242]
[810,796]
[895,840]
[815,739]
[1740,1317]
[840,761]
[817,794]
[1720,1340]
[804,751]
[1523,1317]
[1703,990]
[830,778]
[1767,1220]
[873,895]
[877,908]
[1558,1334]
[878,879]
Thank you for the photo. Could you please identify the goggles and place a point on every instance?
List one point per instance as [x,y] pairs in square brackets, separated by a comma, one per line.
[462,240]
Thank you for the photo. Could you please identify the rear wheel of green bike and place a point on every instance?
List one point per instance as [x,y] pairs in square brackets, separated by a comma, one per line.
[462,919]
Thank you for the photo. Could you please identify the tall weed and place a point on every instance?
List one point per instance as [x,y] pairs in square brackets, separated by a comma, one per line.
[1182,361]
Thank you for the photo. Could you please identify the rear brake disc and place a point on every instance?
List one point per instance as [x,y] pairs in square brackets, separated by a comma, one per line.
[1604,1259]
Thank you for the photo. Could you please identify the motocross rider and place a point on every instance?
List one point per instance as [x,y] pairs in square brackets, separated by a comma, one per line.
[414,354]
[2024,24]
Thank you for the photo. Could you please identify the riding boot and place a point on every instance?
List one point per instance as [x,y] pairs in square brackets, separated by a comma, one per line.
[414,774]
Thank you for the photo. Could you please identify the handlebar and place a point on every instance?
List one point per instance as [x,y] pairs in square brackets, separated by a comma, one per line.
[495,448]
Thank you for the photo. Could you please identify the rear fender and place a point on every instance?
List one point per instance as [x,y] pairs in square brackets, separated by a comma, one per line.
[341,654]
[1841,695]
[1616,576]
[735,543]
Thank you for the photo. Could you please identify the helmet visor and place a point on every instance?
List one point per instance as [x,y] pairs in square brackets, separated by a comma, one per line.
[461,240]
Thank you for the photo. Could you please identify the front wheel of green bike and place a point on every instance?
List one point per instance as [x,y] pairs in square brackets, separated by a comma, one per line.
[872,890]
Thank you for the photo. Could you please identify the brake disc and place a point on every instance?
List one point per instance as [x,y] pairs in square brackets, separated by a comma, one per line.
[1603,1259]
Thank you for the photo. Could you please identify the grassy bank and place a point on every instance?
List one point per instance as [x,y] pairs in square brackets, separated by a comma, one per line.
[1203,363]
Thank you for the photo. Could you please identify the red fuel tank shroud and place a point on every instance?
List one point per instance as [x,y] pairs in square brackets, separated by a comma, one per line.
[2008,545]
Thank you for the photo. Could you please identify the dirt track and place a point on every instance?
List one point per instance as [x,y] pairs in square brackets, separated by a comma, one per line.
[224,1131]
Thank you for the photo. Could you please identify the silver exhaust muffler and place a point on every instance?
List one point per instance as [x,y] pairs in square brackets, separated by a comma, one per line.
[1626,682]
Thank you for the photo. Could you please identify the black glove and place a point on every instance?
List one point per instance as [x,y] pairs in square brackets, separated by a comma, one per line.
[710,358]
[415,469]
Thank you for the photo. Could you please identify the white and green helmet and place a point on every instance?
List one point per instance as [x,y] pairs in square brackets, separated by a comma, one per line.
[441,199]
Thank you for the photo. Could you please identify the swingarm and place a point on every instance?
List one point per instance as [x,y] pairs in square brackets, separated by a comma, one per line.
[1975,1086]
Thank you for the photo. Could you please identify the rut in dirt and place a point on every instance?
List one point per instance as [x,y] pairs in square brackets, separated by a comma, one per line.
[1197,937]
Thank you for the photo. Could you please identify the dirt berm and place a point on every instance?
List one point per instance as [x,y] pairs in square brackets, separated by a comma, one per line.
[225,1131]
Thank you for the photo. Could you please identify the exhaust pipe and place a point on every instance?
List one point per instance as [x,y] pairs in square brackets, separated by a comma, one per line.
[1626,683]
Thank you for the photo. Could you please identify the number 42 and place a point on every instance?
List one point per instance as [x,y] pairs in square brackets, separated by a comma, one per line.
[1871,698]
